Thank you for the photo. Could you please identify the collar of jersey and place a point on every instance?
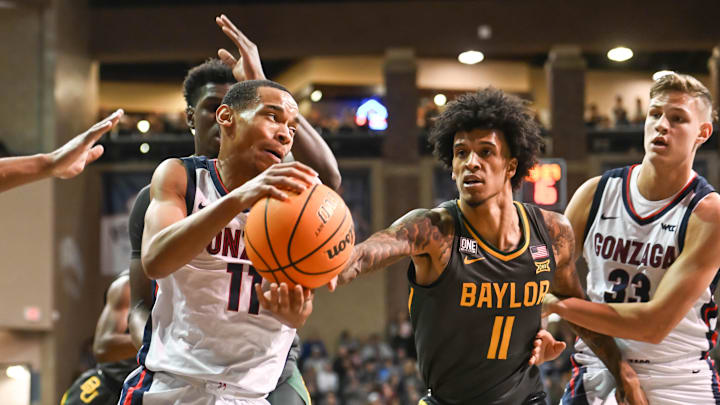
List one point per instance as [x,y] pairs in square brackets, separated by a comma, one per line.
[658,213]
[215,175]
[487,247]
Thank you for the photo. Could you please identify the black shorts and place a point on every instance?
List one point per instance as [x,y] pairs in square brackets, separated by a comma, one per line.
[92,387]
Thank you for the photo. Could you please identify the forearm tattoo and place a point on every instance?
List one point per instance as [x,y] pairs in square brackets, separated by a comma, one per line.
[418,232]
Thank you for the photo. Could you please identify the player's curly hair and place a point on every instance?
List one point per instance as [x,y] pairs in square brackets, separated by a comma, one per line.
[490,108]
[210,71]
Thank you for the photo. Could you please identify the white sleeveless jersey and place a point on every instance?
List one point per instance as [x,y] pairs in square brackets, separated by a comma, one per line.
[206,320]
[628,255]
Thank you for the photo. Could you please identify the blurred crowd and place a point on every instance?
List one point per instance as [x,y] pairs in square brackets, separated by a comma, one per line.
[376,370]
[619,116]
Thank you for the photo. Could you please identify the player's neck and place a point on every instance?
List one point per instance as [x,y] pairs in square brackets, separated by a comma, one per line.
[496,220]
[234,172]
[658,183]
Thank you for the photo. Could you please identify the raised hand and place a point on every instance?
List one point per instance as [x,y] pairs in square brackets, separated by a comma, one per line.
[291,305]
[70,159]
[248,65]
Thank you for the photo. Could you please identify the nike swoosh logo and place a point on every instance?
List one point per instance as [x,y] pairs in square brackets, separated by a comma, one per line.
[602,216]
[468,260]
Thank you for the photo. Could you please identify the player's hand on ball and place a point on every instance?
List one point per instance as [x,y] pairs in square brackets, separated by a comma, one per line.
[292,305]
[275,182]
[545,348]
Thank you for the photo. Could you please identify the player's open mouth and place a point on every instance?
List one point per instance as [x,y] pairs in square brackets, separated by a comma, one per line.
[659,142]
[275,154]
[470,181]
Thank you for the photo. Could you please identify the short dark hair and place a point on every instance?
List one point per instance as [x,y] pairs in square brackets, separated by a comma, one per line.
[244,94]
[210,71]
[490,108]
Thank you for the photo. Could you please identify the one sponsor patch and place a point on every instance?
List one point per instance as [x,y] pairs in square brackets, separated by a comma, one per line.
[468,246]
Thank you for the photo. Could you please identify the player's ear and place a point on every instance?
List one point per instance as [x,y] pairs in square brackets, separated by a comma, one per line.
[706,129]
[224,116]
[512,167]
[190,117]
[453,176]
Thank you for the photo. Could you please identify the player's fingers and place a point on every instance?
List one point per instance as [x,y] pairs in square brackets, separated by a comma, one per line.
[283,298]
[274,297]
[96,131]
[262,299]
[332,284]
[227,58]
[296,299]
[286,183]
[273,192]
[94,153]
[559,346]
[308,178]
[229,24]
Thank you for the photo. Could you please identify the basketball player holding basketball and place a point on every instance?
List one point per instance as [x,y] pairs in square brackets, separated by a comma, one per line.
[650,237]
[204,87]
[482,264]
[210,340]
[65,162]
[113,349]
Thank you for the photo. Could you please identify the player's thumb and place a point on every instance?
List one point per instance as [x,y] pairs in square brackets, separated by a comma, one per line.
[94,153]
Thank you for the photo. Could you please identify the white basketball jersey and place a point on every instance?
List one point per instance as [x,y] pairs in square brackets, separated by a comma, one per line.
[629,244]
[206,320]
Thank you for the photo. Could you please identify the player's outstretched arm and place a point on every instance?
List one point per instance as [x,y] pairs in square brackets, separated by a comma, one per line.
[422,233]
[65,162]
[308,146]
[172,238]
[685,280]
[112,343]
[566,283]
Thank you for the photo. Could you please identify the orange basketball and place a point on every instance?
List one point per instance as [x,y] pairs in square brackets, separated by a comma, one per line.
[305,240]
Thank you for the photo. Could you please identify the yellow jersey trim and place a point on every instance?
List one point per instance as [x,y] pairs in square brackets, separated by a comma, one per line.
[492,250]
[410,300]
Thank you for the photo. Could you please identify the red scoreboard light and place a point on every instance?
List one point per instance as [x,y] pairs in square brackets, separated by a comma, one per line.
[546,185]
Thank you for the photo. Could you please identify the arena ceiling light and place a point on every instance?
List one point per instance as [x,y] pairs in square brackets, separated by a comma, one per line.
[440,99]
[143,126]
[620,54]
[316,96]
[18,373]
[471,57]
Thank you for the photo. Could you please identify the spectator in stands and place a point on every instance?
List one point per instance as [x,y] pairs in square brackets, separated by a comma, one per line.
[594,118]
[639,117]
[620,113]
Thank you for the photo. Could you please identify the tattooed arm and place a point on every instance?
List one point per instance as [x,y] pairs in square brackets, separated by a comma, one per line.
[567,284]
[424,235]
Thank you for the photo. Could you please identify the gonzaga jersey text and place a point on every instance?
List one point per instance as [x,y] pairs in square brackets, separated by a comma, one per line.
[628,251]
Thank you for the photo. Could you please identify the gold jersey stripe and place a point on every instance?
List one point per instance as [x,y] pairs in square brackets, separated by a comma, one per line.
[410,299]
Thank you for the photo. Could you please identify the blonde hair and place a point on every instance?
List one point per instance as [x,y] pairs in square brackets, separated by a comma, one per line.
[684,84]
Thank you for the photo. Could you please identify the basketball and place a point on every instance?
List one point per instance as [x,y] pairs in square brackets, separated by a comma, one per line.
[305,240]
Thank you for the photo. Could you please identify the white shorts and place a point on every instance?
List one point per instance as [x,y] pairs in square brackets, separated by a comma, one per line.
[144,387]
[676,383]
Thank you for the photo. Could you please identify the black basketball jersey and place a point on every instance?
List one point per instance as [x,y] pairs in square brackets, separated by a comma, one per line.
[475,325]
